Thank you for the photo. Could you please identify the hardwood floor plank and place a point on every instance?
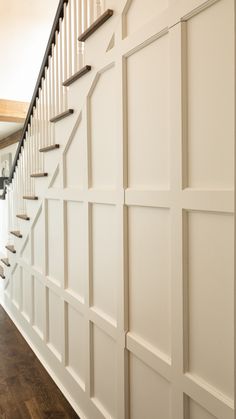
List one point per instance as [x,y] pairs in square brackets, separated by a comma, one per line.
[26,389]
[33,409]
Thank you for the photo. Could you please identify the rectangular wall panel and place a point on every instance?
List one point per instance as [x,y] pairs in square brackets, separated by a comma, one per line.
[149,276]
[39,307]
[54,323]
[76,249]
[76,347]
[104,373]
[210,97]
[38,243]
[195,411]
[103,142]
[54,241]
[148,124]
[26,294]
[149,392]
[136,15]
[104,259]
[210,299]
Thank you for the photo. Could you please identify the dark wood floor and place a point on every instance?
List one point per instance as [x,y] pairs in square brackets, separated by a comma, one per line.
[26,389]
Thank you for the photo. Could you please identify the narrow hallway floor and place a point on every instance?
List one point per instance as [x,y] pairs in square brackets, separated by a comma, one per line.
[26,389]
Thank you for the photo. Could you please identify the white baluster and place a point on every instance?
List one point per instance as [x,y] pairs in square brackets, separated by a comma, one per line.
[40,119]
[31,150]
[53,81]
[80,29]
[60,40]
[90,12]
[98,8]
[47,107]
[57,74]
[65,30]
[44,141]
[85,15]
[70,38]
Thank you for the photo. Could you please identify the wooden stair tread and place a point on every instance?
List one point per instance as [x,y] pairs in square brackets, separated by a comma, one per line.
[10,248]
[39,175]
[62,115]
[2,272]
[49,148]
[31,198]
[77,75]
[5,261]
[16,234]
[95,25]
[23,217]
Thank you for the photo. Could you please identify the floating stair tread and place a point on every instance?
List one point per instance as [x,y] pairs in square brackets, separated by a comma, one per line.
[95,25]
[10,248]
[77,75]
[31,198]
[39,175]
[5,261]
[49,148]
[62,115]
[23,217]
[2,272]
[16,234]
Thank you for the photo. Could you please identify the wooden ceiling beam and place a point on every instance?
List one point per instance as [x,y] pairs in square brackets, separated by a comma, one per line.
[11,139]
[13,111]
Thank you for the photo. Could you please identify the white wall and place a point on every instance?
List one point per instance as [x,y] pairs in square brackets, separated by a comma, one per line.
[10,149]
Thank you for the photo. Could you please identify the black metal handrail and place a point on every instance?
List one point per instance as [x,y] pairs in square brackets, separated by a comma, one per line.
[48,52]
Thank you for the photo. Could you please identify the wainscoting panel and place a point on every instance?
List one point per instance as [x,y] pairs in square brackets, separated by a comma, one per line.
[123,282]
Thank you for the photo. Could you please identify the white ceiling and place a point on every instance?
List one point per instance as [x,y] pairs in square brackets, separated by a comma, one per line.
[25,26]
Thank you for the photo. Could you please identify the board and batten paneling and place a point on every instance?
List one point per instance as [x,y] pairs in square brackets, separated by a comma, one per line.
[123,281]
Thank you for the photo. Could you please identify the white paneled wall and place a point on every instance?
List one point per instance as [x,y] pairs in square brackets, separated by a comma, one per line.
[123,282]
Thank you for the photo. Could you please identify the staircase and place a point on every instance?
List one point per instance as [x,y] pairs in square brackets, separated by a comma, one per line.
[75,21]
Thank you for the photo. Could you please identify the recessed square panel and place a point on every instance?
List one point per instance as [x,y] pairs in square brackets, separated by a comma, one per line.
[105,258]
[55,323]
[150,393]
[104,372]
[103,131]
[210,97]
[149,275]
[39,306]
[148,116]
[76,349]
[210,298]
[76,248]
[54,241]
